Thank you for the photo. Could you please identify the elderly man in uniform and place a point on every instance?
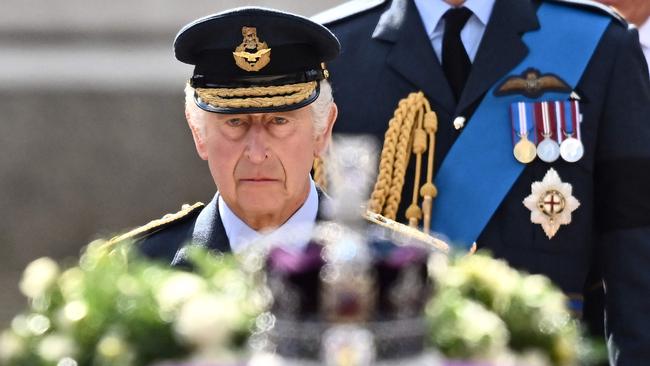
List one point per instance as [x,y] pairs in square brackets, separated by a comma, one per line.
[541,142]
[260,110]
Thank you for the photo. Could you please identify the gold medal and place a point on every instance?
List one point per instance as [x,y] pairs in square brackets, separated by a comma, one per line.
[525,151]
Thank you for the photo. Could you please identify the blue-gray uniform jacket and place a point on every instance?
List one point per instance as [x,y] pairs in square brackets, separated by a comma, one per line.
[386,55]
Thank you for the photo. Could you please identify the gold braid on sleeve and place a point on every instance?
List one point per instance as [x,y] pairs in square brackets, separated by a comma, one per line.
[411,130]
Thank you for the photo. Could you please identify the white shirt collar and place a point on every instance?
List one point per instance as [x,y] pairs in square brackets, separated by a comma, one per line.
[644,34]
[644,39]
[294,233]
[432,11]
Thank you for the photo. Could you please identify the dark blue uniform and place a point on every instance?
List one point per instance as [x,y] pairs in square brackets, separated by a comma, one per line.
[386,55]
[165,239]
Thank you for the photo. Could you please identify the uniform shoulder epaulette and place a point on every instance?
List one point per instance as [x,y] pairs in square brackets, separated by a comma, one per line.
[346,10]
[596,6]
[155,225]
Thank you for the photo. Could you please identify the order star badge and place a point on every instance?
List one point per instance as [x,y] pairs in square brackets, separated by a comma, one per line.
[551,203]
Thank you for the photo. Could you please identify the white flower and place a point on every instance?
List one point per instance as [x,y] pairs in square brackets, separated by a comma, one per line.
[55,346]
[71,283]
[75,311]
[179,288]
[38,324]
[11,345]
[111,346]
[207,320]
[38,277]
[482,327]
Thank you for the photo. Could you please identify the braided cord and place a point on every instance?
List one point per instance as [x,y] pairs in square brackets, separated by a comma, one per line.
[320,178]
[387,159]
[411,130]
[259,96]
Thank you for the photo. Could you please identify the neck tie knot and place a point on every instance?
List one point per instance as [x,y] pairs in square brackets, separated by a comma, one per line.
[455,19]
[455,61]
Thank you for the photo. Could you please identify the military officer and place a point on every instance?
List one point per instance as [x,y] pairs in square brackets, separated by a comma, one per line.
[541,142]
[260,109]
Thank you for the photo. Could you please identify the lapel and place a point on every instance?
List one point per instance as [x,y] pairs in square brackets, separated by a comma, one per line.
[323,203]
[501,48]
[411,54]
[208,232]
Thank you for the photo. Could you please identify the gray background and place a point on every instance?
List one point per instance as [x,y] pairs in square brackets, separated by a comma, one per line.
[92,135]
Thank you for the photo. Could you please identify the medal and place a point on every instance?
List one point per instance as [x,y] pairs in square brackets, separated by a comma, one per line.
[571,150]
[568,113]
[551,203]
[548,150]
[524,150]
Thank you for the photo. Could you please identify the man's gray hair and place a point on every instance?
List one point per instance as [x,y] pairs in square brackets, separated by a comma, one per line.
[320,108]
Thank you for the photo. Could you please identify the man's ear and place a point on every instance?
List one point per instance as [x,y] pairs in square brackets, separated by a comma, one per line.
[323,139]
[191,116]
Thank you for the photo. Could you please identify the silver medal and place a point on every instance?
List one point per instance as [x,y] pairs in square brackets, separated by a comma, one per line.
[571,150]
[548,150]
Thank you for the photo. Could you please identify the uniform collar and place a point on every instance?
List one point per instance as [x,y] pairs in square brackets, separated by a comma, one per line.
[432,11]
[298,228]
[644,34]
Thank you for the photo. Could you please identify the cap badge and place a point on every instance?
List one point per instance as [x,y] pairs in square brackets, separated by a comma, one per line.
[551,203]
[252,54]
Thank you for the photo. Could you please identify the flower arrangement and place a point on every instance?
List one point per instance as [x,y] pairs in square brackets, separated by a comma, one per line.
[115,308]
[485,310]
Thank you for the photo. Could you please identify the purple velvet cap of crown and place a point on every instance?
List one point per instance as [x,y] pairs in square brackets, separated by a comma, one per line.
[293,261]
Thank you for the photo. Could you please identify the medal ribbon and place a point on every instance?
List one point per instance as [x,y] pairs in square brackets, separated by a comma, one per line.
[546,121]
[522,116]
[575,107]
[559,118]
[568,118]
[479,170]
[570,112]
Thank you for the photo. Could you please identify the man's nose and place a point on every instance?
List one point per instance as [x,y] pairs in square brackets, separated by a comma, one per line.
[256,145]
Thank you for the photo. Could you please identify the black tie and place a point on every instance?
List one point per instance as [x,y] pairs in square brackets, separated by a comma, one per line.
[455,61]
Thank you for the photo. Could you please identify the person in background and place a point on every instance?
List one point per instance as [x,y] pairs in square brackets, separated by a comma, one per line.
[541,142]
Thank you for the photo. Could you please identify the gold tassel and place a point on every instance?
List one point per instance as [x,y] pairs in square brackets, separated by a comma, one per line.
[320,178]
[411,130]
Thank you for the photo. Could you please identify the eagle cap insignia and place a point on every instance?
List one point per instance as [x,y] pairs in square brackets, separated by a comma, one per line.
[551,203]
[532,84]
[252,54]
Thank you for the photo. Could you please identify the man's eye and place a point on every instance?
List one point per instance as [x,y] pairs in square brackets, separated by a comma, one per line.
[234,122]
[280,120]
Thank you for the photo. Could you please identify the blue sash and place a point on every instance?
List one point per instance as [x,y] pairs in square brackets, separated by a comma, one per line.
[480,168]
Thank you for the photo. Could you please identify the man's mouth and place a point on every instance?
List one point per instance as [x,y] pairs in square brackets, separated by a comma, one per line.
[258,180]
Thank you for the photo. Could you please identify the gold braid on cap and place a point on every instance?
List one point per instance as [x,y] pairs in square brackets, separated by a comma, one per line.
[411,131]
[258,96]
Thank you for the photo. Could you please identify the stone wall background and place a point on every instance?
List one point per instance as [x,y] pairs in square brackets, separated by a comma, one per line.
[92,135]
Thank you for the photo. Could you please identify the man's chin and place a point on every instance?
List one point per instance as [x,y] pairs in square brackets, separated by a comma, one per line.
[261,199]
